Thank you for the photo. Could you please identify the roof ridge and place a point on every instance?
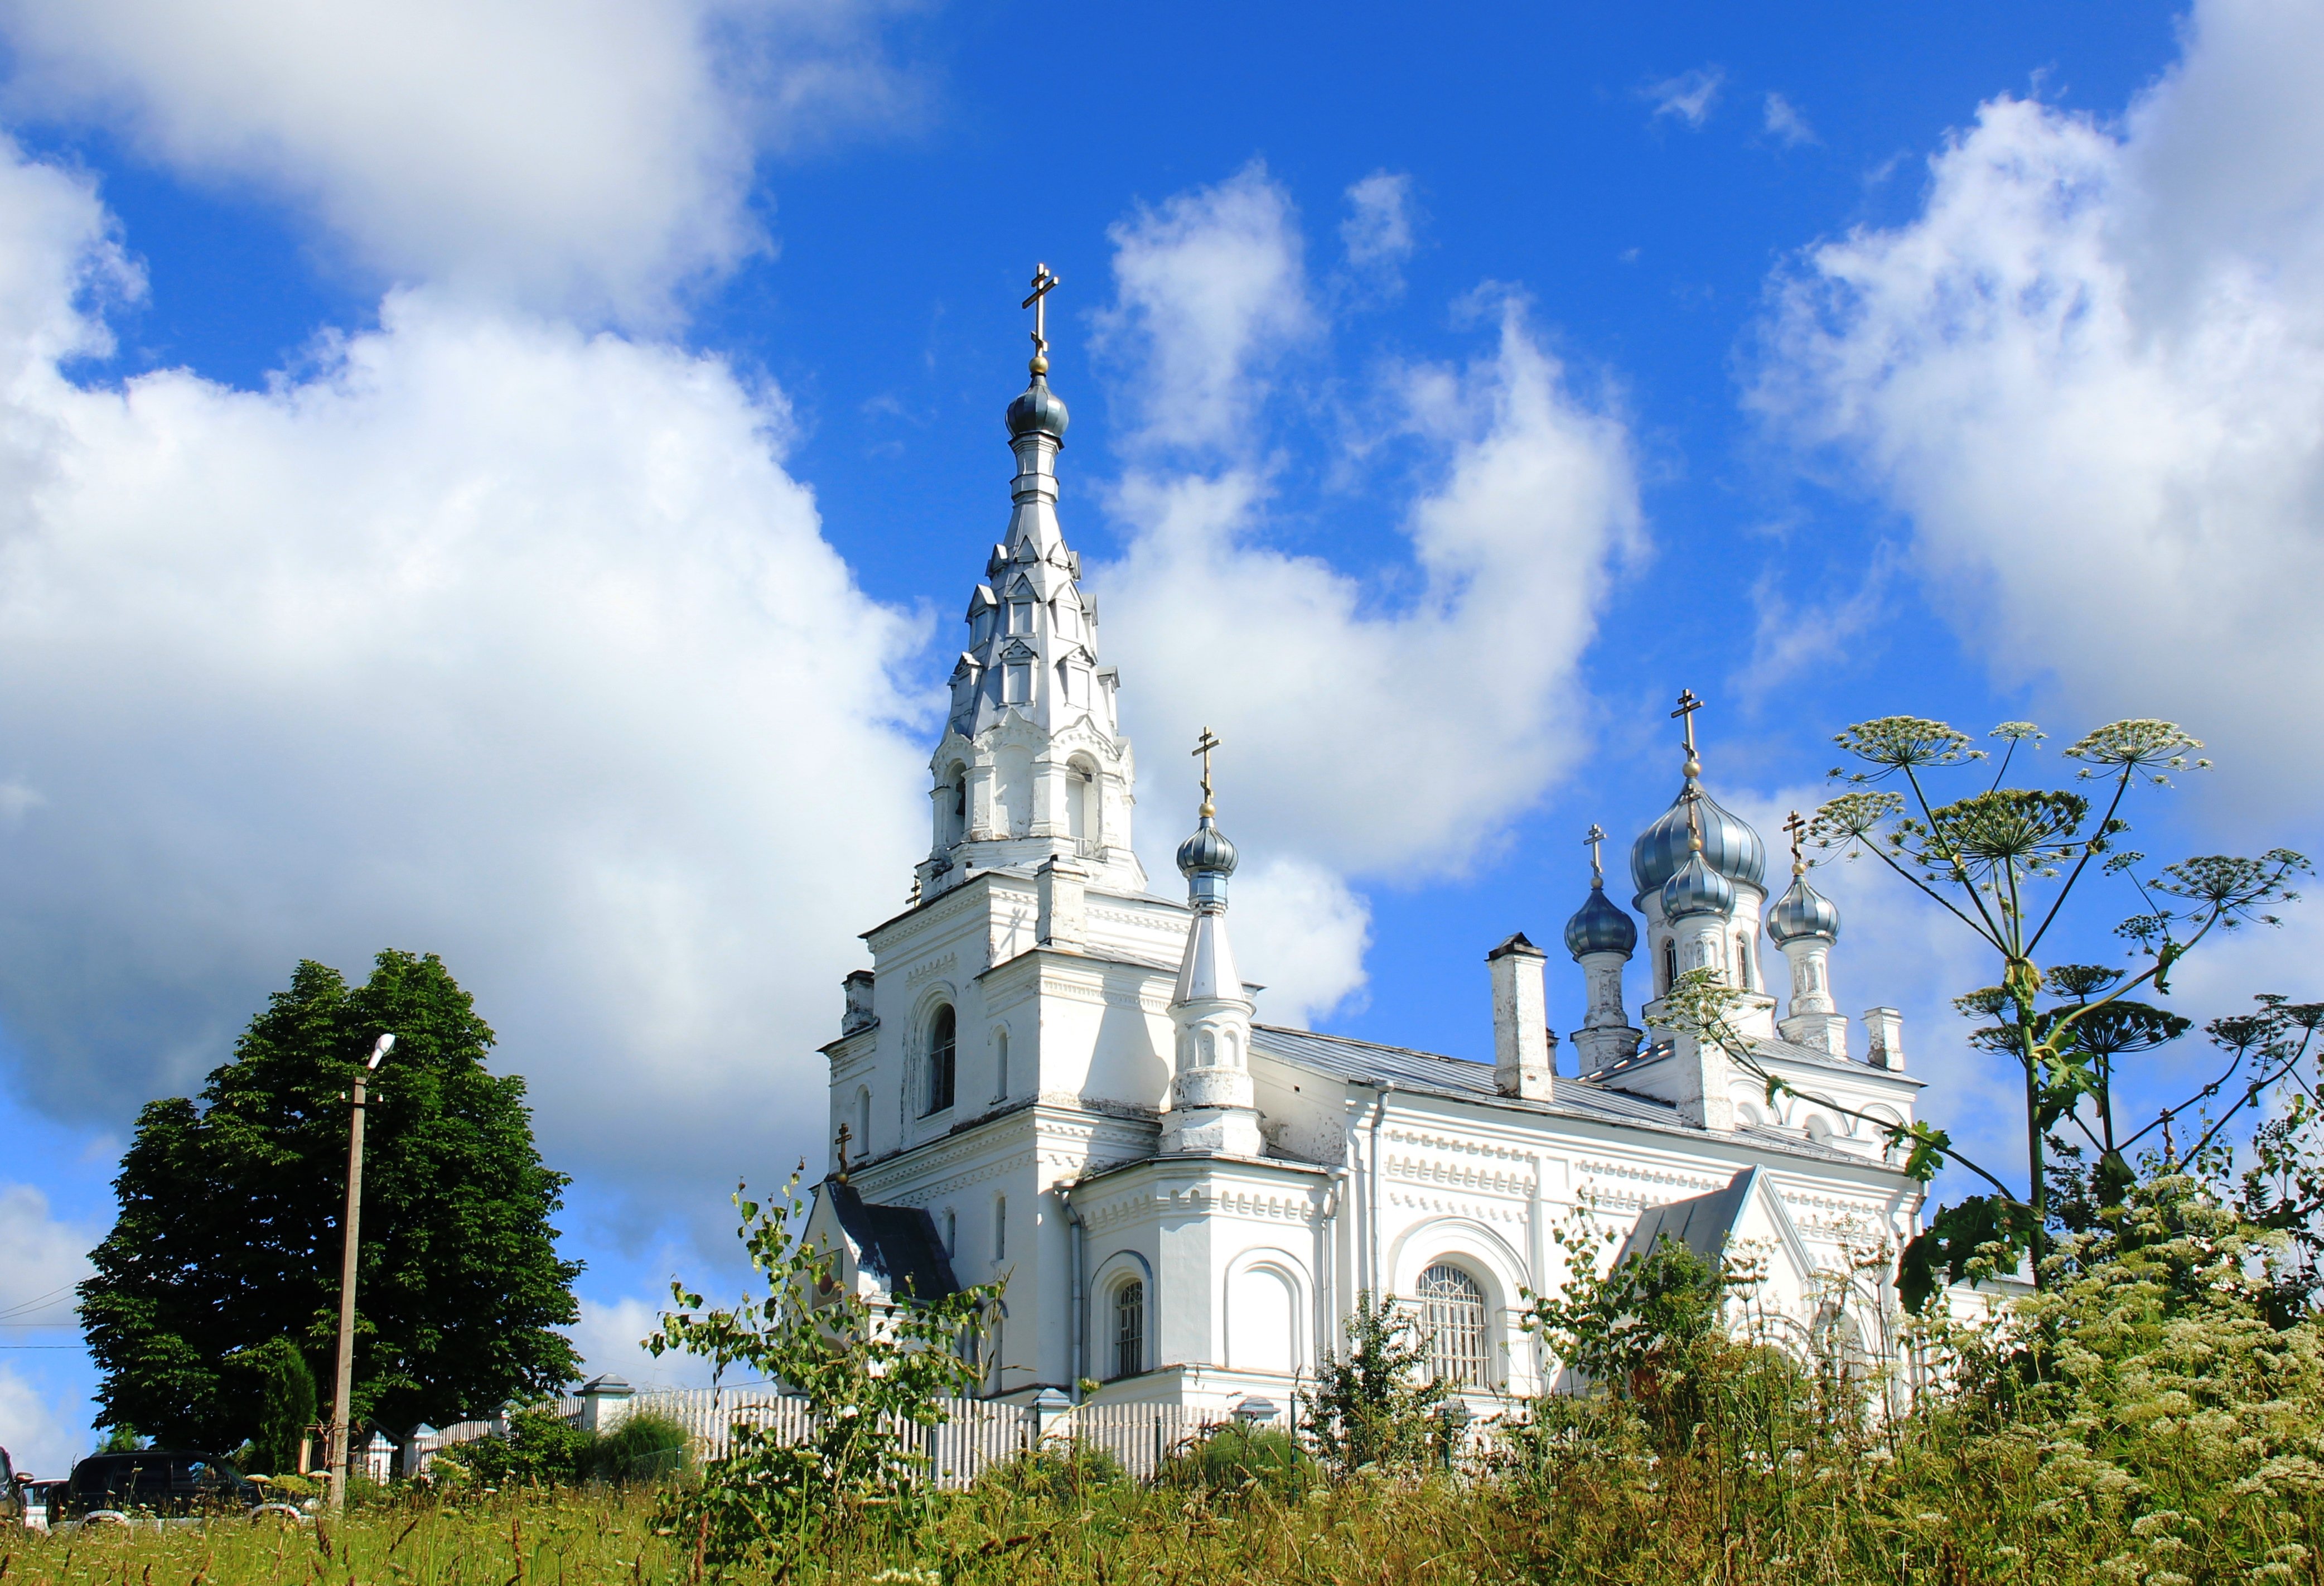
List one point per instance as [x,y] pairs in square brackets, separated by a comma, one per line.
[1285,1030]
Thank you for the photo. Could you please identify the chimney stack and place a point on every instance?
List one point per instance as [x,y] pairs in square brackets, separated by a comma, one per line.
[1522,1065]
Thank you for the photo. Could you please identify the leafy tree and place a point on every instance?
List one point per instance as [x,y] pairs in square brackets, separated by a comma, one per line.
[1372,1406]
[1635,1329]
[284,1392]
[228,1239]
[872,1375]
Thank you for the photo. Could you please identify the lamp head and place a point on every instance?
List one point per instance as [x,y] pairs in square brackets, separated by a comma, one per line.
[379,1050]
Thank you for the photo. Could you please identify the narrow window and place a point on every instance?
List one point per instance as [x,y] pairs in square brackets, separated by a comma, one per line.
[1130,1329]
[1067,627]
[952,1231]
[863,1121]
[1019,680]
[1077,803]
[1001,1066]
[1670,965]
[1000,1227]
[1452,1315]
[1743,962]
[940,1060]
[1020,616]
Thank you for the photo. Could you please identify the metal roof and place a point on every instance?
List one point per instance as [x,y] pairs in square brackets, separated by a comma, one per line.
[1369,1062]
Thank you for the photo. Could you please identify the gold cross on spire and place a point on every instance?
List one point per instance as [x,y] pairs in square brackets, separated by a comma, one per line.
[1594,836]
[1687,705]
[1209,742]
[1043,282]
[1797,826]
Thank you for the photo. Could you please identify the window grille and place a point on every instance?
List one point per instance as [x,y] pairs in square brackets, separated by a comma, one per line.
[940,1060]
[1452,1316]
[1130,1330]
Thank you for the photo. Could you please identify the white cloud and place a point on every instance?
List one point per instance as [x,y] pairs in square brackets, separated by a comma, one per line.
[1689,97]
[1211,289]
[1377,234]
[35,1428]
[585,154]
[40,1260]
[2092,373]
[1365,736]
[1302,932]
[483,636]
[1791,637]
[1782,121]
[606,1338]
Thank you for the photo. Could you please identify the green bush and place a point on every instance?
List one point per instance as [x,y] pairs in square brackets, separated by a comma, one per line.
[1056,1472]
[539,1451]
[1231,1459]
[645,1447]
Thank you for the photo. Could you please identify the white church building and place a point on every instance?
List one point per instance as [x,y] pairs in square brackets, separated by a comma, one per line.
[1054,1077]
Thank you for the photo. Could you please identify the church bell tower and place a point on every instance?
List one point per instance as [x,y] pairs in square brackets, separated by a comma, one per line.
[1032,767]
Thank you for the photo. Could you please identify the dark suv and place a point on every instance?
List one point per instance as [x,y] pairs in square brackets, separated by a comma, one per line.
[156,1482]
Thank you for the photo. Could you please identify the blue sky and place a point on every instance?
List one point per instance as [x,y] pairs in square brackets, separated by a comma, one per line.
[501,480]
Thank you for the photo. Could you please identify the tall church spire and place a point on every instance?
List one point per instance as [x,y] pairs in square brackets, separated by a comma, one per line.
[1031,767]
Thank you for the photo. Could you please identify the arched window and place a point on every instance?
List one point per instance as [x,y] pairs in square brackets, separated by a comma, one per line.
[1130,1329]
[1452,1316]
[1078,791]
[1670,966]
[863,1121]
[940,1059]
[1001,1066]
[952,808]
[1743,962]
[1000,1227]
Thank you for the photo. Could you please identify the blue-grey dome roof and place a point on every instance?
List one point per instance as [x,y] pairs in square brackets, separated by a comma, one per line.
[1697,889]
[1207,850]
[1802,911]
[1039,409]
[1729,846]
[1599,925]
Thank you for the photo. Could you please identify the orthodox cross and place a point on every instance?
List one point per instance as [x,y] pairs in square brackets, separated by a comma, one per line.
[1687,705]
[1594,836]
[1043,282]
[1796,825]
[844,1132]
[1209,742]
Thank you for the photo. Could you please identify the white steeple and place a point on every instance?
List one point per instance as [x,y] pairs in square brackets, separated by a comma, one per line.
[1213,1106]
[1031,767]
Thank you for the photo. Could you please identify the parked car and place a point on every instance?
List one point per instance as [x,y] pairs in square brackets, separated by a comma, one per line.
[168,1483]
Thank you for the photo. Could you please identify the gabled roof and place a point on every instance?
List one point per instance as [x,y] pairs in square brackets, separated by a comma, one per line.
[896,1246]
[1368,1063]
[1708,1224]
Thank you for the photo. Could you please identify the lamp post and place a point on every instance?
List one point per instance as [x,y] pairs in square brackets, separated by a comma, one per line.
[346,1372]
[1454,1414]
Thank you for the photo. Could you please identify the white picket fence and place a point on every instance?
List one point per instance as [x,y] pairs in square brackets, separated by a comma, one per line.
[976,1434]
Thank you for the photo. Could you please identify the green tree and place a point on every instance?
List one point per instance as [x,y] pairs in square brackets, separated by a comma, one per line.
[872,1373]
[228,1239]
[1371,1406]
[284,1392]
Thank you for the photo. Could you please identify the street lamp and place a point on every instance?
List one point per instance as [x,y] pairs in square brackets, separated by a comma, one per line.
[1454,1414]
[346,1375]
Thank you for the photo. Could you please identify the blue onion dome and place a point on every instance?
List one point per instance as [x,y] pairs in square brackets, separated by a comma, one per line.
[1599,927]
[1039,408]
[1729,846]
[1802,911]
[1697,889]
[1207,850]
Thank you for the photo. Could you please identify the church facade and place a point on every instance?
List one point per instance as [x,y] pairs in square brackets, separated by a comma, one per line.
[1054,1076]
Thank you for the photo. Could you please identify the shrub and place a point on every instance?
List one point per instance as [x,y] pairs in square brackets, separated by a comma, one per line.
[645,1447]
[1233,1459]
[539,1451]
[1056,1472]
